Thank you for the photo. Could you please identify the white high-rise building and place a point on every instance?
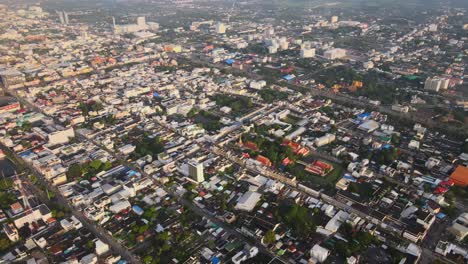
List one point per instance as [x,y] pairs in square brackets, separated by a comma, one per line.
[436,84]
[65,17]
[334,19]
[62,19]
[195,169]
[220,28]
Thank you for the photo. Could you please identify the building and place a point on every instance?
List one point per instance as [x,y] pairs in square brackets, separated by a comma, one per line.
[140,25]
[319,254]
[220,28]
[41,212]
[334,19]
[11,77]
[333,54]
[307,53]
[436,84]
[63,17]
[324,140]
[195,169]
[245,254]
[11,232]
[432,27]
[8,104]
[61,136]
[459,227]
[248,201]
[368,65]
[460,176]
[369,126]
[101,247]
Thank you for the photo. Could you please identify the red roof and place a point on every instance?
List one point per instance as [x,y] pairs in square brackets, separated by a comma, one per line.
[286,161]
[251,145]
[440,190]
[264,160]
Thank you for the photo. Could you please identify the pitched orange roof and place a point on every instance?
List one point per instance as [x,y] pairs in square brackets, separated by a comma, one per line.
[460,176]
[264,160]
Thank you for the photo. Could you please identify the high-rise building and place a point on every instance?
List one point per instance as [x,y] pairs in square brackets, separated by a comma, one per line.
[334,19]
[65,17]
[62,19]
[436,84]
[195,169]
[220,28]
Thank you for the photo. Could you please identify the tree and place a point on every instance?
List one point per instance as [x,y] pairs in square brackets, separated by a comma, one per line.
[148,259]
[4,244]
[142,229]
[90,244]
[95,164]
[26,126]
[74,171]
[269,237]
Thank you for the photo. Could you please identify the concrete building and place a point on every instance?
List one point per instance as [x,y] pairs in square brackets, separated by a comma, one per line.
[195,169]
[459,227]
[307,53]
[11,77]
[61,136]
[140,25]
[319,254]
[334,19]
[248,201]
[333,54]
[220,28]
[436,84]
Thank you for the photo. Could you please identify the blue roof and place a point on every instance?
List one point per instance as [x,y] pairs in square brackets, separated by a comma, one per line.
[289,77]
[137,209]
[25,153]
[349,177]
[215,260]
[364,115]
[229,61]
[441,215]
[155,94]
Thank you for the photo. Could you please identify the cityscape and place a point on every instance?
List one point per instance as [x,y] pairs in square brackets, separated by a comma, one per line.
[225,131]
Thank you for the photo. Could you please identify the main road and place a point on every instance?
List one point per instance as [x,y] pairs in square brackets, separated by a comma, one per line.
[340,98]
[100,232]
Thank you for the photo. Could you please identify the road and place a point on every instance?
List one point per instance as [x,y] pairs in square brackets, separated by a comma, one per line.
[197,210]
[96,230]
[340,98]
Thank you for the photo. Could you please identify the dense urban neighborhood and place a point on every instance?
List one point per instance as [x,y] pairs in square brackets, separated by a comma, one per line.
[222,131]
